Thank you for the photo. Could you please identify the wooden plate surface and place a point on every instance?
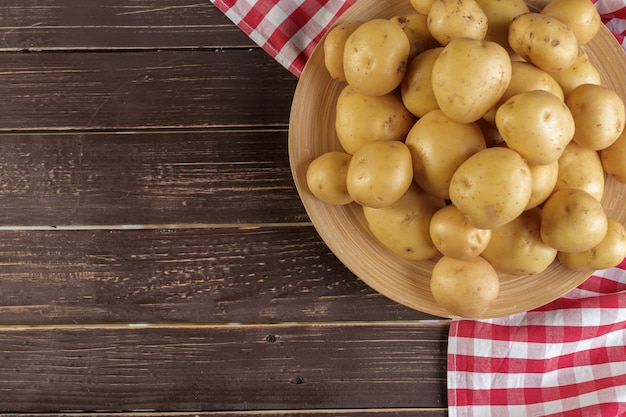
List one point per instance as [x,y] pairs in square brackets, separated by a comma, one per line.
[343,228]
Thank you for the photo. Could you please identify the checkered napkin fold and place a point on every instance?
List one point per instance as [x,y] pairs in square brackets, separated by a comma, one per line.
[567,358]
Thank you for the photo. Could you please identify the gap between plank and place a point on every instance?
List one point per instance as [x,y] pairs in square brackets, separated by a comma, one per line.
[165,226]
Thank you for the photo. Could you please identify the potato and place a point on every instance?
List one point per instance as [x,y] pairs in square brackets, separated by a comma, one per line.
[492,187]
[422,6]
[453,236]
[380,172]
[606,254]
[467,95]
[580,168]
[499,16]
[517,248]
[326,177]
[437,155]
[599,116]
[361,118]
[581,16]
[334,45]
[454,19]
[537,124]
[416,29]
[403,227]
[544,180]
[613,160]
[543,41]
[417,87]
[465,288]
[526,77]
[375,57]
[581,72]
[573,221]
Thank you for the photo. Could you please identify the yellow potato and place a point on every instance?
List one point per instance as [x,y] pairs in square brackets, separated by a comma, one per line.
[379,173]
[499,16]
[599,116]
[422,6]
[526,77]
[613,160]
[581,16]
[543,41]
[416,29]
[334,45]
[326,177]
[403,227]
[573,221]
[492,187]
[580,168]
[537,124]
[361,118]
[375,57]
[453,236]
[416,87]
[544,180]
[466,288]
[517,248]
[438,146]
[454,19]
[610,252]
[581,72]
[469,77]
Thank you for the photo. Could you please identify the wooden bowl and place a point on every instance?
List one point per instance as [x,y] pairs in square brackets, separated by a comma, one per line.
[344,229]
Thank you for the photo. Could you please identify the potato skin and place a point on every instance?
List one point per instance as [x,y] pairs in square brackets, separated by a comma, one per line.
[606,254]
[454,19]
[580,168]
[467,95]
[403,227]
[543,41]
[416,30]
[499,16]
[326,177]
[581,16]
[416,87]
[581,72]
[613,160]
[544,180]
[375,57]
[453,236]
[380,172]
[334,45]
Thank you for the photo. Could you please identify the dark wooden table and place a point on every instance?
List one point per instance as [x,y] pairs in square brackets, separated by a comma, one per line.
[154,254]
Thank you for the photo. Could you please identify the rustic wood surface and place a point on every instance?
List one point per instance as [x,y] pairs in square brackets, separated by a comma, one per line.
[155,259]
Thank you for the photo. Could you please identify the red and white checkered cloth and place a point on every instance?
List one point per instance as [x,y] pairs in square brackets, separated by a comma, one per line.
[567,358]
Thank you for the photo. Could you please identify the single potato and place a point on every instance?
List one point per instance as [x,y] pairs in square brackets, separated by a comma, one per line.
[422,6]
[453,236]
[543,41]
[499,16]
[466,288]
[537,124]
[326,177]
[573,221]
[361,118]
[454,19]
[417,87]
[580,168]
[599,116]
[544,181]
[516,248]
[613,160]
[610,252]
[379,173]
[581,16]
[436,155]
[469,78]
[581,72]
[375,57]
[492,187]
[403,227]
[416,29]
[334,45]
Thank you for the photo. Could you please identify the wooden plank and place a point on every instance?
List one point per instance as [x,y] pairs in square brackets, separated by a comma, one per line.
[36,25]
[252,275]
[361,365]
[134,90]
[376,412]
[217,177]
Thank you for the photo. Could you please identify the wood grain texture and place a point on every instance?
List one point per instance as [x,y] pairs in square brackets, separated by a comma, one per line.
[296,367]
[41,25]
[215,177]
[143,90]
[376,412]
[263,275]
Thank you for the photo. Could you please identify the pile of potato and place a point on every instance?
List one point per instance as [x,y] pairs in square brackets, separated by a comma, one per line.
[479,131]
